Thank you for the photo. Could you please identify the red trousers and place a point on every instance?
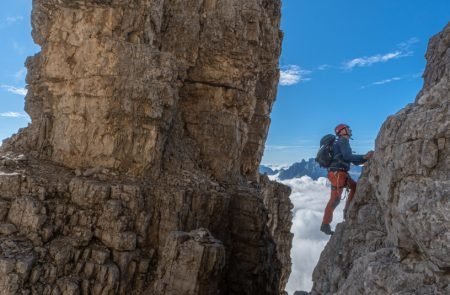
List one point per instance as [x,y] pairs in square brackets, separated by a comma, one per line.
[339,180]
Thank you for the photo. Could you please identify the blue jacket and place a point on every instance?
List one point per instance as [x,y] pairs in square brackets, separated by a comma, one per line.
[343,156]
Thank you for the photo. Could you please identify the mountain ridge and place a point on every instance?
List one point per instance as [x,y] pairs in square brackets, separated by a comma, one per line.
[304,168]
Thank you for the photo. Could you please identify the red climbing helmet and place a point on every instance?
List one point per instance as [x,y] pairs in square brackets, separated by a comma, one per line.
[341,127]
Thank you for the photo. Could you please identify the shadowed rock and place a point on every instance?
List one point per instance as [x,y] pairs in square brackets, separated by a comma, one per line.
[139,171]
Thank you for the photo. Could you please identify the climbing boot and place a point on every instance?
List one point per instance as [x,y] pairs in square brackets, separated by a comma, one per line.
[325,228]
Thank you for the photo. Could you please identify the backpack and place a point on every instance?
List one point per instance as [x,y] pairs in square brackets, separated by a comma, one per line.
[325,154]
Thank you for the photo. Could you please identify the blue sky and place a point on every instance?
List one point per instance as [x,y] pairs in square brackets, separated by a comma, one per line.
[16,44]
[347,61]
[355,62]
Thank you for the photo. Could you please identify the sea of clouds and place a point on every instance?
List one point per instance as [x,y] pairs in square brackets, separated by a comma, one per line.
[309,198]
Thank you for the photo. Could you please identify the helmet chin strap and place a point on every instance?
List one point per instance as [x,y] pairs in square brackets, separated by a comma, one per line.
[346,133]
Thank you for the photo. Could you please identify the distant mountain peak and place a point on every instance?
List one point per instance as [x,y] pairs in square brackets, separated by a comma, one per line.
[306,167]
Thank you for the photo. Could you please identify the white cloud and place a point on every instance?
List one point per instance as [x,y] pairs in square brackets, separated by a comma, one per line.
[282,147]
[10,20]
[370,60]
[385,81]
[277,166]
[15,90]
[13,19]
[403,50]
[20,74]
[393,79]
[292,74]
[405,46]
[323,67]
[309,198]
[13,115]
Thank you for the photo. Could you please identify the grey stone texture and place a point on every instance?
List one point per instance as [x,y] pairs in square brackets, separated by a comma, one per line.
[397,237]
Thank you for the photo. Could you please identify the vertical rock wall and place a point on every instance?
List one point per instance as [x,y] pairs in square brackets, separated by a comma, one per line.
[139,171]
[397,238]
[113,77]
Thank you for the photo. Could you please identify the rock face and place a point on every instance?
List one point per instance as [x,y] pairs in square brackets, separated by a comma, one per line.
[397,239]
[139,171]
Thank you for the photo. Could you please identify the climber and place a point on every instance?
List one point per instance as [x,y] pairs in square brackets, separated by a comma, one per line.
[338,174]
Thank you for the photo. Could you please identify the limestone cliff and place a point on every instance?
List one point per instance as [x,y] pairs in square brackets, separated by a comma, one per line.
[139,171]
[397,238]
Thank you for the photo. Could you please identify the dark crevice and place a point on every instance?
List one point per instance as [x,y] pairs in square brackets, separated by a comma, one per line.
[214,84]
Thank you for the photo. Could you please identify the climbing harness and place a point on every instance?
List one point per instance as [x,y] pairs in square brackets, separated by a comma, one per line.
[344,196]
